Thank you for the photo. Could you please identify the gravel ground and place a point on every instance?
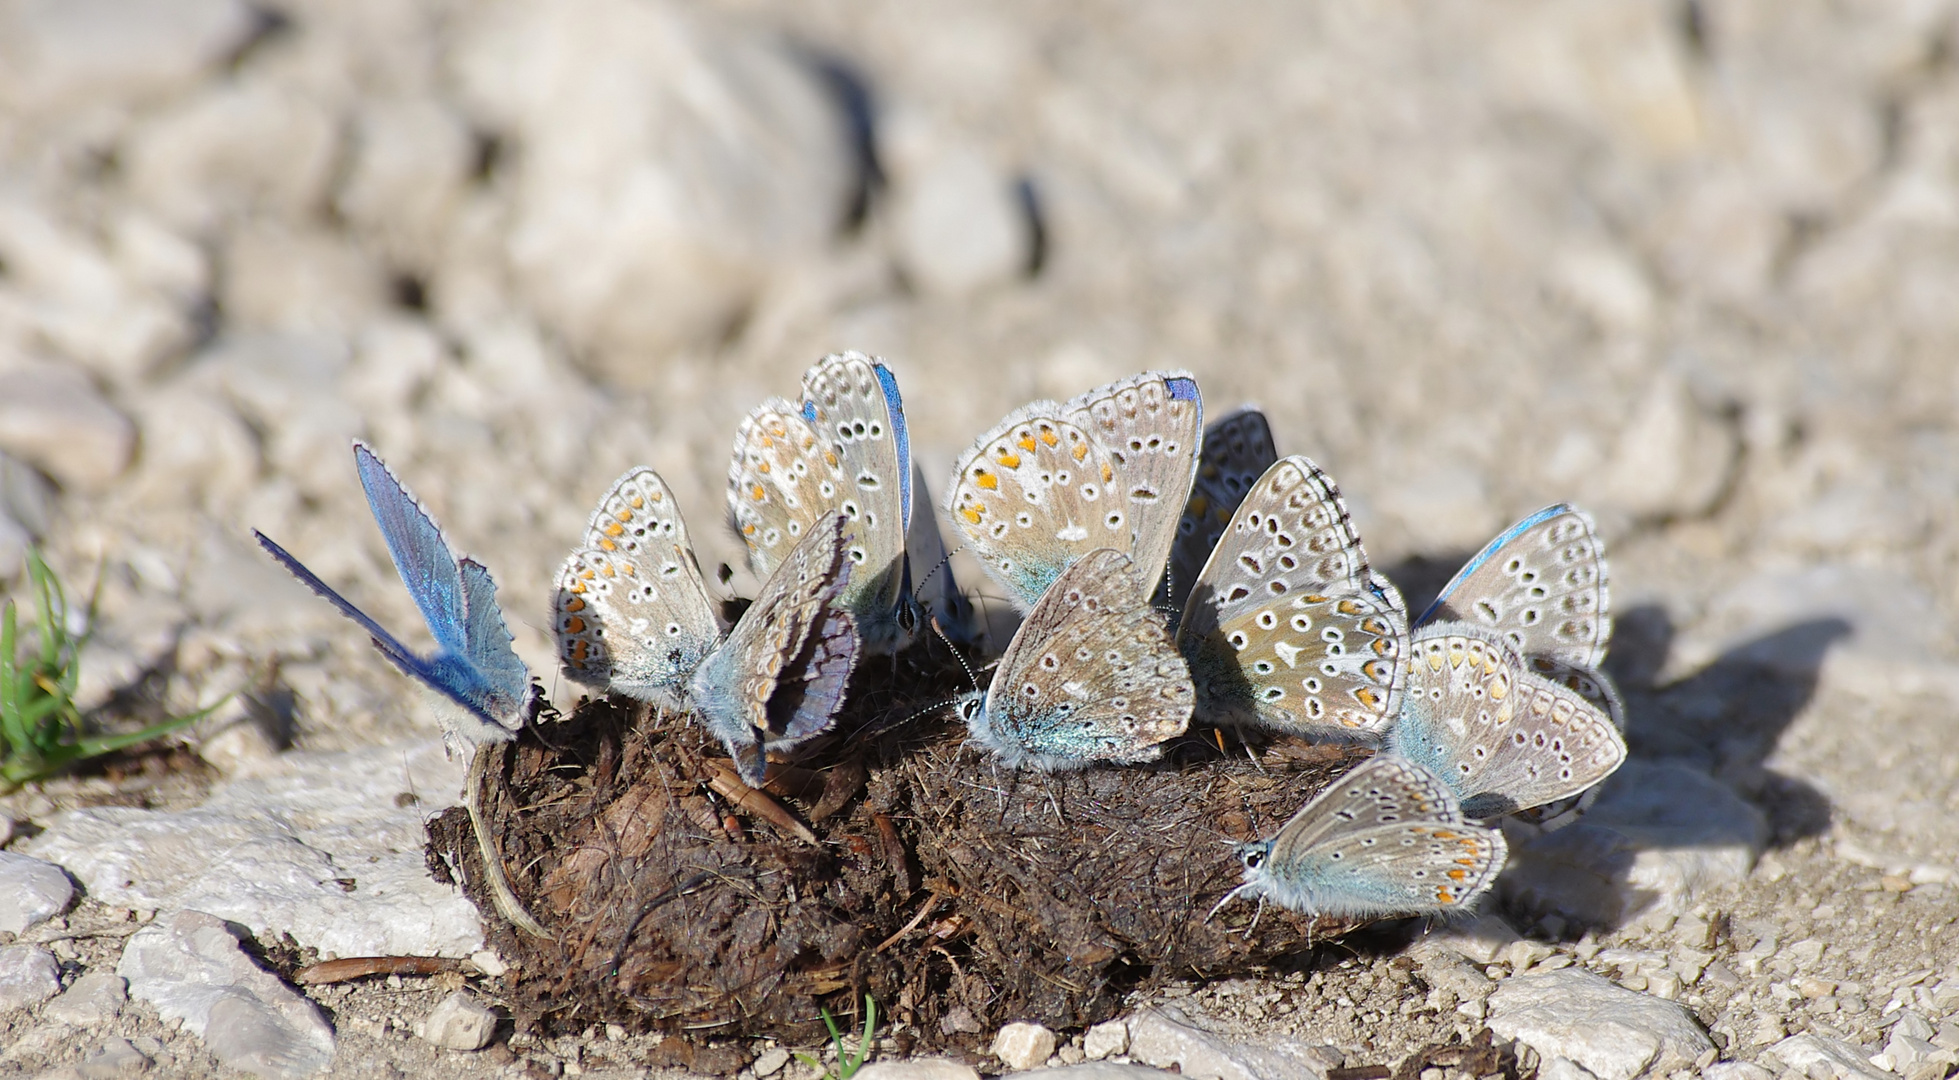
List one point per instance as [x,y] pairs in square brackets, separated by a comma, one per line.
[1691,265]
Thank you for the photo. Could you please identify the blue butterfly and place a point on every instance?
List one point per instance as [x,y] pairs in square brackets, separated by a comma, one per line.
[843,450]
[481,690]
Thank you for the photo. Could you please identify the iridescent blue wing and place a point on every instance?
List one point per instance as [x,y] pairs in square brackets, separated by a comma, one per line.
[505,677]
[421,556]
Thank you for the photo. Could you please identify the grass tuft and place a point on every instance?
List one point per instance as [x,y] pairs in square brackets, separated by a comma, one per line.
[41,730]
[847,1062]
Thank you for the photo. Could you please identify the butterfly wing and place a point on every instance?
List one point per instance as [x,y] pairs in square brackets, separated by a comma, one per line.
[1541,584]
[794,641]
[1091,676]
[1386,838]
[1034,495]
[631,611]
[421,556]
[1152,425]
[1503,738]
[1287,627]
[843,450]
[506,690]
[1237,451]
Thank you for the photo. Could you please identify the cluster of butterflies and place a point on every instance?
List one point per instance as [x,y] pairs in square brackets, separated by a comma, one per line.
[1096,517]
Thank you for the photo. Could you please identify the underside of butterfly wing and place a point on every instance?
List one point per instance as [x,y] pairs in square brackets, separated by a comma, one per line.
[1092,675]
[1152,425]
[1237,451]
[1034,495]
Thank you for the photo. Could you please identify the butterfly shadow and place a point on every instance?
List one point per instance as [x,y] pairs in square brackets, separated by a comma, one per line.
[1695,803]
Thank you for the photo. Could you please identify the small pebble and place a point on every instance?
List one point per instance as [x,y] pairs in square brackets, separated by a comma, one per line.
[460,1022]
[1023,1045]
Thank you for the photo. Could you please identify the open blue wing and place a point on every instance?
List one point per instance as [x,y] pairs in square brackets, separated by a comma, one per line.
[489,639]
[421,556]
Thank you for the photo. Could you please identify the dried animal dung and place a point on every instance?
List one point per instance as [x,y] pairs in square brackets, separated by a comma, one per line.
[958,894]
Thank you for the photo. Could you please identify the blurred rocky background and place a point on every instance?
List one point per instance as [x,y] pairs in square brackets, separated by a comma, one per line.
[1693,264]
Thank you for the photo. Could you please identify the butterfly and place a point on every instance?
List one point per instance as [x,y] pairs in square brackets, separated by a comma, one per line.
[1237,450]
[1090,676]
[1541,586]
[844,450]
[1287,627]
[632,614]
[1385,838]
[1052,482]
[1503,737]
[929,578]
[481,691]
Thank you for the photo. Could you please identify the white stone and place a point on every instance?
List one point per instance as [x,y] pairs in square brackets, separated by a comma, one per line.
[300,280]
[1098,1070]
[489,963]
[1558,1068]
[1107,1039]
[76,299]
[1672,456]
[1659,836]
[1023,1045]
[666,168]
[117,1057]
[1165,1036]
[1736,1070]
[411,163]
[52,417]
[1481,939]
[957,222]
[195,450]
[1613,1032]
[314,845]
[95,998]
[1817,1055]
[236,148]
[239,747]
[770,1061]
[917,1069]
[79,52]
[460,1022]
[189,966]
[31,891]
[28,976]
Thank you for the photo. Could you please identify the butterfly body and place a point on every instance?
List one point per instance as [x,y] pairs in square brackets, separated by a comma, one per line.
[1053,482]
[480,690]
[1090,676]
[1287,627]
[1386,838]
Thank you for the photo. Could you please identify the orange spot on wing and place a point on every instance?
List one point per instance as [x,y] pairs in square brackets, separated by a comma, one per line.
[988,481]
[757,493]
[972,514]
[574,625]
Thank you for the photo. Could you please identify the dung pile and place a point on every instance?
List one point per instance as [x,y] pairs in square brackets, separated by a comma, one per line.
[959,895]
